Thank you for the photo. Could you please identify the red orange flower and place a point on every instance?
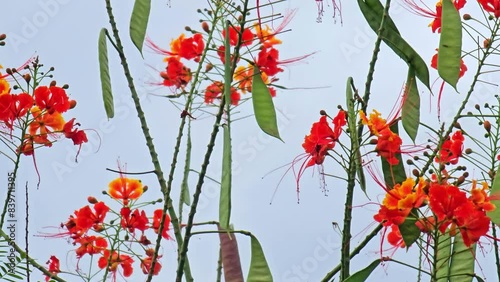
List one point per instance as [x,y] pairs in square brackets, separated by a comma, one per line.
[436,15]
[434,64]
[451,149]
[175,74]
[188,48]
[78,136]
[135,220]
[116,260]
[492,6]
[267,61]
[157,217]
[214,91]
[148,261]
[90,245]
[46,123]
[14,106]
[54,265]
[395,238]
[125,189]
[234,34]
[53,99]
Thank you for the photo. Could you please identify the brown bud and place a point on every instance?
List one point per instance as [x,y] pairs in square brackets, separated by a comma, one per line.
[72,104]
[164,75]
[209,67]
[3,36]
[415,172]
[466,17]
[2,43]
[373,141]
[145,188]
[205,27]
[477,106]
[322,112]
[468,151]
[466,174]
[457,125]
[53,83]
[27,77]
[65,86]
[92,200]
[187,28]
[150,252]
[409,162]
[460,180]
[487,43]
[144,241]
[487,126]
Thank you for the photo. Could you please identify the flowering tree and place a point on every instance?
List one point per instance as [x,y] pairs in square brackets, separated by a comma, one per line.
[430,200]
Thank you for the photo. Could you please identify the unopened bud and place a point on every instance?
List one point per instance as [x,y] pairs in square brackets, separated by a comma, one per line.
[145,188]
[466,17]
[487,43]
[187,28]
[53,83]
[460,180]
[415,172]
[205,27]
[92,200]
[373,141]
[466,174]
[72,104]
[477,106]
[322,112]
[27,77]
[487,126]
[65,86]
[468,151]
[51,68]
[457,125]
[409,162]
[2,43]
[164,75]
[209,67]
[8,71]
[3,36]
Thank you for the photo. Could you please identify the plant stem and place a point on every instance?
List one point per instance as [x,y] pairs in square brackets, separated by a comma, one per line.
[149,141]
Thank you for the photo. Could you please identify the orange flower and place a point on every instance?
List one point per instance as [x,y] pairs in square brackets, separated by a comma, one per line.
[175,74]
[4,86]
[125,189]
[214,91]
[400,200]
[244,77]
[116,260]
[46,123]
[148,261]
[480,198]
[188,48]
[389,145]
[90,245]
[451,149]
[375,123]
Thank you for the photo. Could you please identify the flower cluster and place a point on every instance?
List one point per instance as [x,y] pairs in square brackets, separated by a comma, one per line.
[259,42]
[38,114]
[93,235]
[451,210]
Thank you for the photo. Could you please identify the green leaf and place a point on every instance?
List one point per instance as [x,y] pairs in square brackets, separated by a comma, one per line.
[107,95]
[443,257]
[362,275]
[373,11]
[139,22]
[495,199]
[450,44]
[393,174]
[185,197]
[225,191]
[259,270]
[353,133]
[410,113]
[409,231]
[462,261]
[263,105]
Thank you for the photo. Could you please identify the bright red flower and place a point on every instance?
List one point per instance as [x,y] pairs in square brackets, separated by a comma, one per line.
[157,217]
[125,189]
[472,224]
[54,265]
[53,99]
[188,48]
[221,51]
[135,220]
[267,61]
[214,91]
[389,145]
[86,218]
[451,149]
[148,261]
[116,260]
[492,6]
[14,106]
[90,245]
[175,74]
[395,238]
[234,34]
[445,200]
[480,198]
[436,15]
[78,136]
[45,123]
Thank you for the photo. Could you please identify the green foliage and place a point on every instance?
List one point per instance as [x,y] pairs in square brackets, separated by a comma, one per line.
[259,270]
[410,113]
[409,231]
[393,174]
[373,12]
[450,44]
[11,268]
[442,259]
[363,274]
[462,261]
[107,95]
[495,199]
[263,105]
[139,22]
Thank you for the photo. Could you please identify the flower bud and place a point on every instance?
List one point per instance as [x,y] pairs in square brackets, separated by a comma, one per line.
[209,67]
[466,17]
[187,28]
[3,36]
[457,125]
[2,43]
[53,83]
[468,151]
[477,106]
[322,112]
[92,200]
[415,172]
[72,104]
[487,126]
[205,27]
[8,71]
[460,180]
[487,43]
[65,86]
[145,188]
[27,77]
